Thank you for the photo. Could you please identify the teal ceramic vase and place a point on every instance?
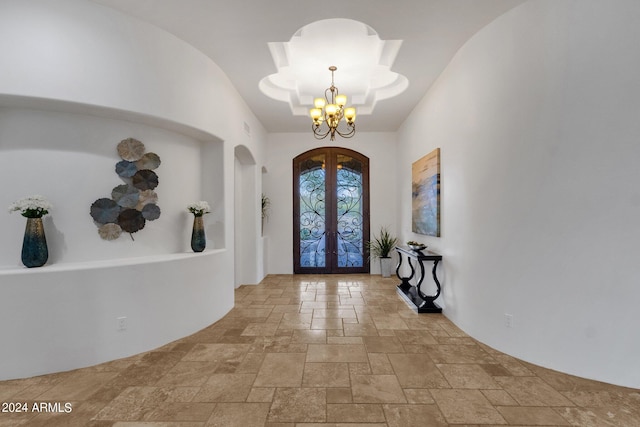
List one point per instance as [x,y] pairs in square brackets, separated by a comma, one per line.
[34,244]
[198,239]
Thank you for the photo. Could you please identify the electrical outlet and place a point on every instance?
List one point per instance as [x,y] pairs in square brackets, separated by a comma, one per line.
[508,320]
[121,323]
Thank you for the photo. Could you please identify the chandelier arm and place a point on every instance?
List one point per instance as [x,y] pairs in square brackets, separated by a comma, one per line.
[334,91]
[347,134]
[319,135]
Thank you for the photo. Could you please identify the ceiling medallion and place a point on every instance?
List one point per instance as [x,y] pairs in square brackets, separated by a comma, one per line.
[330,110]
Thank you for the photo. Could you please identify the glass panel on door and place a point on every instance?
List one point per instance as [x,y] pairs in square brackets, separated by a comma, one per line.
[349,212]
[312,218]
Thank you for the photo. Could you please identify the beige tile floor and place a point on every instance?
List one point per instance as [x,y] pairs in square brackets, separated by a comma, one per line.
[337,351]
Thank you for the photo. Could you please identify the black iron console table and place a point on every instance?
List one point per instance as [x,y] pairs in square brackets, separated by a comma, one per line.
[420,302]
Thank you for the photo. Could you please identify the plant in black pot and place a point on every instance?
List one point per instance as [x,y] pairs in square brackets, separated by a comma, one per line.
[380,247]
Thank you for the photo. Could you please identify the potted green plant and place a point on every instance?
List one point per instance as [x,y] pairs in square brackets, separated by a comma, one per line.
[380,247]
[266,204]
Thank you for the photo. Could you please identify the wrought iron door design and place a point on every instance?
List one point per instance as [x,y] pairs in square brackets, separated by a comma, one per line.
[331,211]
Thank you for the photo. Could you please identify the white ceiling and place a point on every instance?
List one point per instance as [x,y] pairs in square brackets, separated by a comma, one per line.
[235,35]
[362,60]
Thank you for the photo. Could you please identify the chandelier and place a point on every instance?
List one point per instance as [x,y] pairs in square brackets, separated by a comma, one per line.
[331,110]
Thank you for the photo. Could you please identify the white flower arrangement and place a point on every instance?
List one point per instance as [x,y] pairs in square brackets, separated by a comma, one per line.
[199,208]
[34,206]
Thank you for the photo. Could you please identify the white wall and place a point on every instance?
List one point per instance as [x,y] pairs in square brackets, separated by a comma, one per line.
[277,185]
[75,79]
[537,120]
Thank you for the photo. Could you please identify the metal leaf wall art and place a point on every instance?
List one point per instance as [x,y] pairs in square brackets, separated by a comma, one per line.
[134,202]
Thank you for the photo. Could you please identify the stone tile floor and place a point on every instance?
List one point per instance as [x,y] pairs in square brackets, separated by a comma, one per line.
[338,351]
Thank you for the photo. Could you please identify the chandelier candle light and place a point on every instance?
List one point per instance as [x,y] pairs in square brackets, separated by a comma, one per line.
[331,110]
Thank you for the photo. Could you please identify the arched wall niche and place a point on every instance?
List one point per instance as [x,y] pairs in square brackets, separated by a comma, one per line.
[70,158]
[244,155]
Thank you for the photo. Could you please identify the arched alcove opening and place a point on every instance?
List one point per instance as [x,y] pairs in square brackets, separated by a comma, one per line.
[246,214]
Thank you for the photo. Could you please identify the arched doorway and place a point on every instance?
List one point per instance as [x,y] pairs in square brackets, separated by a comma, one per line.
[330,211]
[246,214]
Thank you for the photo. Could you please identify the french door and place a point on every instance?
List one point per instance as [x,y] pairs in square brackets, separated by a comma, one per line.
[330,211]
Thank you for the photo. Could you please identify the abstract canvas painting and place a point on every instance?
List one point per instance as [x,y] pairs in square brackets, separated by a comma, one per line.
[425,194]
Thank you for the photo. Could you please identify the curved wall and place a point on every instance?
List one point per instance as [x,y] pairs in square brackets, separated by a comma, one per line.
[65,316]
[82,52]
[75,79]
[537,121]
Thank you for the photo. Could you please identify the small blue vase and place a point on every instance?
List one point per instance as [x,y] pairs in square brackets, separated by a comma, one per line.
[34,244]
[198,239]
